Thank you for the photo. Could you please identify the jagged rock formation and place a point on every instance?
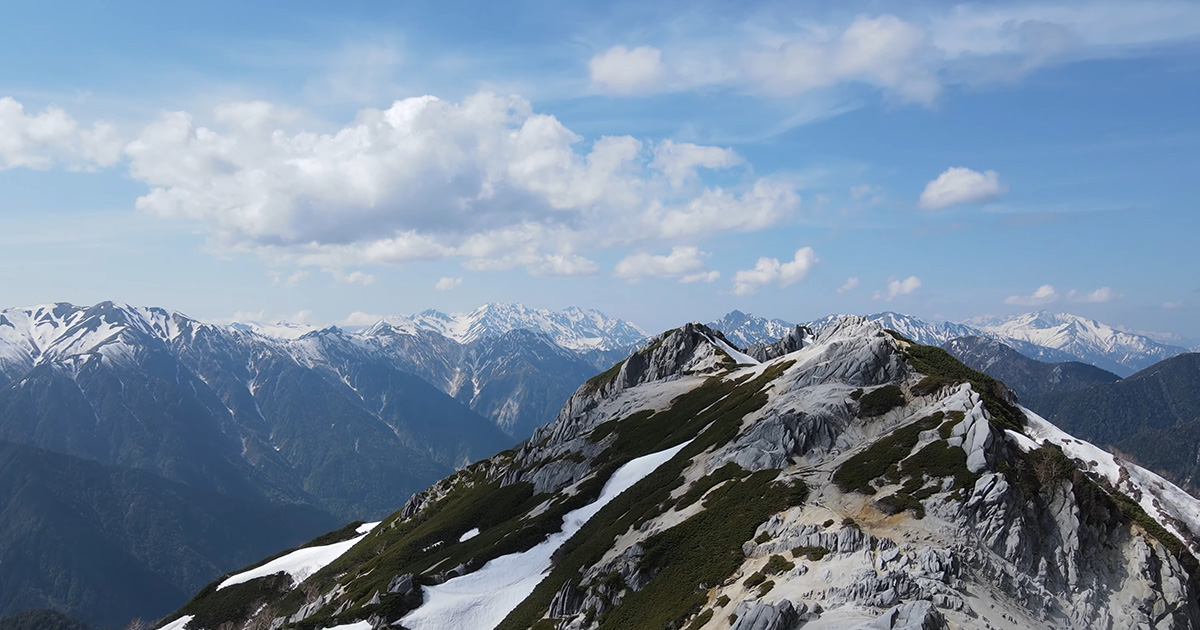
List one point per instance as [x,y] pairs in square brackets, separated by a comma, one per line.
[787,344]
[861,481]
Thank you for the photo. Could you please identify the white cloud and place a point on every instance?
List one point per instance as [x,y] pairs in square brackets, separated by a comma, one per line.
[910,57]
[41,141]
[1046,294]
[359,318]
[770,270]
[679,160]
[1101,295]
[701,276]
[961,185]
[290,280]
[849,285]
[895,288]
[684,262]
[620,70]
[883,51]
[486,181]
[354,277]
[445,283]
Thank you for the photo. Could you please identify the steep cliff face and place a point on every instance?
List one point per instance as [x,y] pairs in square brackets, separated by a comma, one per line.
[860,481]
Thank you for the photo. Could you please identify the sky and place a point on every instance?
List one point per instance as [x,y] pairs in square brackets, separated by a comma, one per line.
[661,162]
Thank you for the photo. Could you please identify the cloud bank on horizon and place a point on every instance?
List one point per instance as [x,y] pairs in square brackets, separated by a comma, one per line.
[728,154]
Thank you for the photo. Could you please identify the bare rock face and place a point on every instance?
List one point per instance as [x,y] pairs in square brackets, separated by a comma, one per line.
[918,615]
[789,343]
[757,615]
[686,351]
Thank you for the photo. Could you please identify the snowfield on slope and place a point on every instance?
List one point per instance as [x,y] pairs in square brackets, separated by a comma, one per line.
[481,600]
[741,358]
[301,563]
[1162,500]
[178,624]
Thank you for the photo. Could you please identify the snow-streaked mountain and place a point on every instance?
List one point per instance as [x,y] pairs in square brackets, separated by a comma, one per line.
[1049,337]
[277,330]
[919,330]
[1081,338]
[745,330]
[858,482]
[519,391]
[572,328]
[229,410]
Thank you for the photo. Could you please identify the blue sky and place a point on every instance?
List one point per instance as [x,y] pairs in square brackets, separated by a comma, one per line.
[658,161]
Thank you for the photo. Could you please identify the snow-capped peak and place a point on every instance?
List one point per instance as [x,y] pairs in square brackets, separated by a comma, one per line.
[32,334]
[1087,339]
[573,328]
[745,329]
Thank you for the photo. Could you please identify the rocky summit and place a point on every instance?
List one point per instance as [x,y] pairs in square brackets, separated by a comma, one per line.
[852,479]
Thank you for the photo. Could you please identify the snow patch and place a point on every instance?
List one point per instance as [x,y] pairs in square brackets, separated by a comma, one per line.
[301,563]
[357,625]
[735,354]
[471,533]
[1162,500]
[481,600]
[178,624]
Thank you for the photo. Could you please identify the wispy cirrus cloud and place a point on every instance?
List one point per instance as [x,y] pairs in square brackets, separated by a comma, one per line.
[911,55]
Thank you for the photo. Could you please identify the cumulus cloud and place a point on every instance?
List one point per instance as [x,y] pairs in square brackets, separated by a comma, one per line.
[849,285]
[445,283]
[958,185]
[770,270]
[701,276]
[679,160]
[621,70]
[1046,294]
[487,181]
[1101,295]
[895,288]
[359,318]
[41,141]
[686,263]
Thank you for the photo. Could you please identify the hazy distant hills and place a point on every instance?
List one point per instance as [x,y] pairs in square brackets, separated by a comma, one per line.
[1029,377]
[1154,416]
[109,544]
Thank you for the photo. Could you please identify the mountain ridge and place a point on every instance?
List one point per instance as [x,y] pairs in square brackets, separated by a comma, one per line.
[852,483]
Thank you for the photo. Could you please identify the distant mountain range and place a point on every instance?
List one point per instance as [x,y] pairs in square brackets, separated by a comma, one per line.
[745,330]
[343,423]
[112,544]
[1045,336]
[1030,378]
